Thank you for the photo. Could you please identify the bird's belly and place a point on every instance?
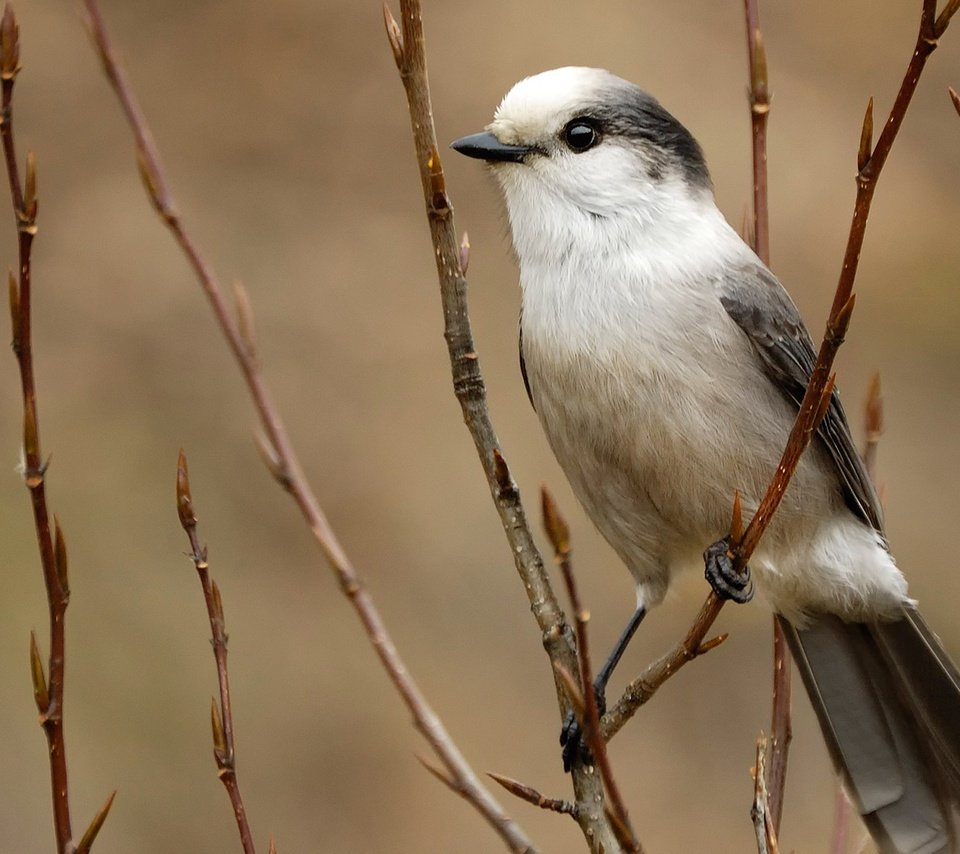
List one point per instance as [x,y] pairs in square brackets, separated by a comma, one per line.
[657,456]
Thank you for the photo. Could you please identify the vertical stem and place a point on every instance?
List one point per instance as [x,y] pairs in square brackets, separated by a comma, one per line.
[25,212]
[779,744]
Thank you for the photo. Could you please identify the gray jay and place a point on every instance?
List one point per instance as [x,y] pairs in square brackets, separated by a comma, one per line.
[666,364]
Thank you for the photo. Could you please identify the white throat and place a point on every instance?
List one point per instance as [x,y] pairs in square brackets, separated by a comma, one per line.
[584,274]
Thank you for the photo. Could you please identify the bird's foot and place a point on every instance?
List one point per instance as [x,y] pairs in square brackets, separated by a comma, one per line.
[723,577]
[571,735]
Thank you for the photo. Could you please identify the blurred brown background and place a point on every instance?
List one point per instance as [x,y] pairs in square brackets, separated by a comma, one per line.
[285,132]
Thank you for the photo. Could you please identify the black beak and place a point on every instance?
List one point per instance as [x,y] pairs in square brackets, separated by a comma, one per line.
[485,146]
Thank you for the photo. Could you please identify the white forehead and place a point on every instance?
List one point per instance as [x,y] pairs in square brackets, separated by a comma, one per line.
[540,103]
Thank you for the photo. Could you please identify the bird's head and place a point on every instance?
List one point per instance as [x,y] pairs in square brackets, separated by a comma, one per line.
[584,143]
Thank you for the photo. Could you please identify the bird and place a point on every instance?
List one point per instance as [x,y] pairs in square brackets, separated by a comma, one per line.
[666,364]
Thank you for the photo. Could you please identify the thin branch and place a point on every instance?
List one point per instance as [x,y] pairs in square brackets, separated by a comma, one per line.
[285,465]
[759,98]
[873,424]
[642,689]
[955,98]
[644,686]
[817,397]
[222,717]
[870,162]
[763,824]
[559,535]
[532,796]
[24,199]
[407,44]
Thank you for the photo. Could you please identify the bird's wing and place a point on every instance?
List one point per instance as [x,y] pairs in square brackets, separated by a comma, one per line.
[763,310]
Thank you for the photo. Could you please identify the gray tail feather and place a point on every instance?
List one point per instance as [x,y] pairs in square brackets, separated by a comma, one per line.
[888,699]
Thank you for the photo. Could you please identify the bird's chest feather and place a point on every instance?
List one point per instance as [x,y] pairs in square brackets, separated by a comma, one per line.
[636,389]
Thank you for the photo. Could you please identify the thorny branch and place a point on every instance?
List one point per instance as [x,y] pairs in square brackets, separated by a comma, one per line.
[222,717]
[759,97]
[278,451]
[407,43]
[48,690]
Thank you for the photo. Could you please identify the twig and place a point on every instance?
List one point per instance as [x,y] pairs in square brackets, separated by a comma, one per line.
[642,689]
[817,396]
[873,423]
[222,717]
[532,796]
[47,692]
[763,825]
[278,450]
[955,98]
[559,535]
[644,686]
[407,43]
[759,98]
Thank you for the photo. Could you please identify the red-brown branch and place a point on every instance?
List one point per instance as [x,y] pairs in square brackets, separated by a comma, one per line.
[759,97]
[279,452]
[559,536]
[24,201]
[222,717]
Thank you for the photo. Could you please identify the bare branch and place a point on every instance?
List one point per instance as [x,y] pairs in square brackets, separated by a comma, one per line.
[644,686]
[222,717]
[955,98]
[759,112]
[406,40]
[817,394]
[763,824]
[873,421]
[285,466]
[50,690]
[759,96]
[532,796]
[559,534]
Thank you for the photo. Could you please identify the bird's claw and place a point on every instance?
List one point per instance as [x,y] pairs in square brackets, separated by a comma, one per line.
[571,735]
[723,577]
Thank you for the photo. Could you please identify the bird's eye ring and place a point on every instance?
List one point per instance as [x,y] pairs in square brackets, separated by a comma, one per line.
[580,135]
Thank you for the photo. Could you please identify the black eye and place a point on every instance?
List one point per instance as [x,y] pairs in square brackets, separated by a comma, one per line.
[580,135]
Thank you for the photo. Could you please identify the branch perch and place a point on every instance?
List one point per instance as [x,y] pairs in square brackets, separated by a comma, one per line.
[278,451]
[759,98]
[222,716]
[407,44]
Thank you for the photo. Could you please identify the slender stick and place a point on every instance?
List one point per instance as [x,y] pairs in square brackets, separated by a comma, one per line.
[765,832]
[222,717]
[559,534]
[816,397]
[34,469]
[532,796]
[407,43]
[280,456]
[759,98]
